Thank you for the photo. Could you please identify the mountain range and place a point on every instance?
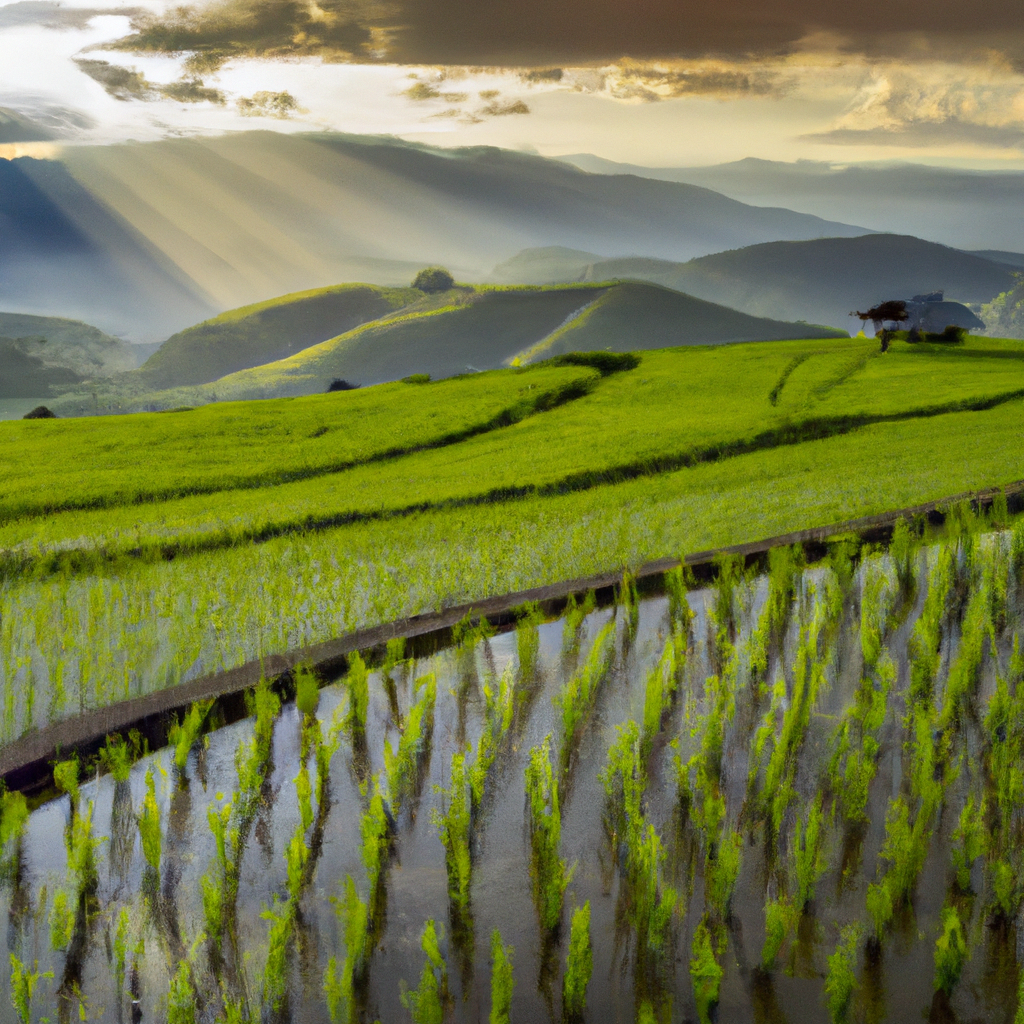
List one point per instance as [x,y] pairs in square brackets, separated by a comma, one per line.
[148,238]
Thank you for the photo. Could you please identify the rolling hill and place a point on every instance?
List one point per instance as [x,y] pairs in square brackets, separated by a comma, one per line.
[819,280]
[148,238]
[267,331]
[70,344]
[467,329]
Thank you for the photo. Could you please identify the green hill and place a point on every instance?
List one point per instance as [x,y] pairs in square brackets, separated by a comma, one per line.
[461,331]
[267,331]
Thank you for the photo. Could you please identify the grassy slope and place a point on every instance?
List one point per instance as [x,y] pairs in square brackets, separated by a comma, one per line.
[636,315]
[110,461]
[685,452]
[680,407]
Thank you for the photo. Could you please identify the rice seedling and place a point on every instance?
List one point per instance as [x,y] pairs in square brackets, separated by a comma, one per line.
[579,965]
[340,981]
[502,981]
[404,767]
[730,572]
[23,987]
[578,696]
[841,980]
[950,951]
[121,951]
[721,870]
[808,852]
[13,817]
[628,599]
[453,826]
[65,778]
[296,855]
[963,672]
[528,618]
[547,869]
[181,999]
[304,796]
[572,619]
[780,918]
[307,690]
[358,696]
[183,734]
[678,582]
[705,972]
[624,778]
[118,755]
[499,708]
[660,690]
[652,903]
[903,552]
[281,916]
[970,840]
[426,1003]
[149,824]
[876,603]
[854,760]
[63,916]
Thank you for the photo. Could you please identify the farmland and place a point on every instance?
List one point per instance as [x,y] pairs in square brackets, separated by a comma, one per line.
[750,799]
[118,581]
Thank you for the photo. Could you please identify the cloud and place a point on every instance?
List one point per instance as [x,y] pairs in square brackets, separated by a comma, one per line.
[40,122]
[934,105]
[125,84]
[268,104]
[650,81]
[51,14]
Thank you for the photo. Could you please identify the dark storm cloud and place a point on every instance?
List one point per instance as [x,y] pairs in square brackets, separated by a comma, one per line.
[532,33]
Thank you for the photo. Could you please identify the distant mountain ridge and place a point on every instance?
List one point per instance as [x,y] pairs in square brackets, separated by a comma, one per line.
[968,209]
[147,239]
[819,280]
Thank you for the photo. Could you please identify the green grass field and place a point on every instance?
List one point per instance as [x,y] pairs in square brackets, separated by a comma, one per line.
[280,545]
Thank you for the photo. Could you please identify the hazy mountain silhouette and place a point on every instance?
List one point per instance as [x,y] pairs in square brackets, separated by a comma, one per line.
[147,238]
[965,208]
[820,281]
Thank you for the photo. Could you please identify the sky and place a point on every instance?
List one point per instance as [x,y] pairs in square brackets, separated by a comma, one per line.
[652,82]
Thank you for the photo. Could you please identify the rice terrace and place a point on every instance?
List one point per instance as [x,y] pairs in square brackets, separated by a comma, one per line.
[775,782]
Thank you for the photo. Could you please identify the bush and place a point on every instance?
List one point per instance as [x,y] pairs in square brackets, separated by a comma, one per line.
[604,362]
[40,412]
[433,279]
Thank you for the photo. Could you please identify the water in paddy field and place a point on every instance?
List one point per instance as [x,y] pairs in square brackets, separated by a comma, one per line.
[893,979]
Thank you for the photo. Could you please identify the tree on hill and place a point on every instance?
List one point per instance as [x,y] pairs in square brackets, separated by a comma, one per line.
[893,311]
[433,279]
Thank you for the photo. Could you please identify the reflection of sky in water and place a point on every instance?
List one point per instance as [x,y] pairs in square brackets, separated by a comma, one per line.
[900,983]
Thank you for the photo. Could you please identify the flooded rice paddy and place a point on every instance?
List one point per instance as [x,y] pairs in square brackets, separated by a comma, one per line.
[819,740]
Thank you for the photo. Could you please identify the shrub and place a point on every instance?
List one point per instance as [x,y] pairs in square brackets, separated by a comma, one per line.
[950,951]
[840,981]
[604,362]
[433,279]
[502,981]
[579,965]
[705,972]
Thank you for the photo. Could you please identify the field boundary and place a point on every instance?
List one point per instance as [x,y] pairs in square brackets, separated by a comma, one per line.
[26,763]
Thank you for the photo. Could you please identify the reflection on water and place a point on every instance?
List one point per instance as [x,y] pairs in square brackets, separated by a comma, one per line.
[132,966]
